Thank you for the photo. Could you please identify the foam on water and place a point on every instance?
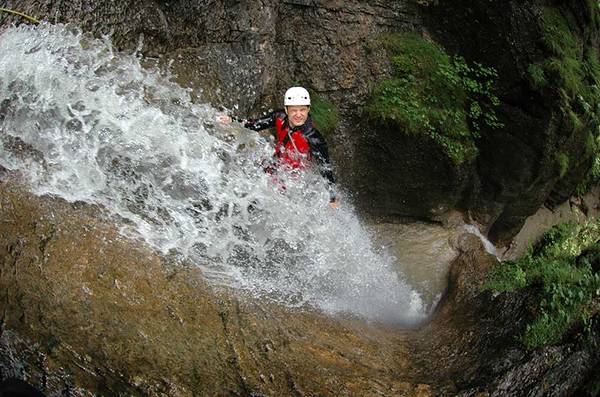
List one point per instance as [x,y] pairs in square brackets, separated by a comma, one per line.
[83,122]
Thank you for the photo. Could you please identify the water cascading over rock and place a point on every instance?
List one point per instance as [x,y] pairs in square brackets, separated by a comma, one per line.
[87,124]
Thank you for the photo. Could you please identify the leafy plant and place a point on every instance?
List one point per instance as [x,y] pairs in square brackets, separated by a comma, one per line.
[568,289]
[538,76]
[435,94]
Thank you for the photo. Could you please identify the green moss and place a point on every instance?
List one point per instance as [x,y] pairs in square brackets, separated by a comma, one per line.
[324,113]
[590,144]
[558,36]
[573,122]
[569,74]
[593,175]
[572,73]
[591,66]
[432,93]
[564,67]
[568,290]
[538,77]
[593,7]
[563,164]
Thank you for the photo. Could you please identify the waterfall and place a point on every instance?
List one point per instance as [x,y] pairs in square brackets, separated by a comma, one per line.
[83,122]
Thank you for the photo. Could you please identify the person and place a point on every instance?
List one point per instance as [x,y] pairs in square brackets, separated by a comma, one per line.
[299,144]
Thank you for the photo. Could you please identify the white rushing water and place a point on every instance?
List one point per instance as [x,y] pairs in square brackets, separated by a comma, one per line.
[83,122]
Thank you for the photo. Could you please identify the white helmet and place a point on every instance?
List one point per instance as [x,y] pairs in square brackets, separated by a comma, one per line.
[296,96]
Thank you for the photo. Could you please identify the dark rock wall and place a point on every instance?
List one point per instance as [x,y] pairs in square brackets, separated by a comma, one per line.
[405,177]
[246,53]
[467,315]
[517,166]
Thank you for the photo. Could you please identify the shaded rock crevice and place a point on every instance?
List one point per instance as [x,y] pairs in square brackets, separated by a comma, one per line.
[478,321]
[232,355]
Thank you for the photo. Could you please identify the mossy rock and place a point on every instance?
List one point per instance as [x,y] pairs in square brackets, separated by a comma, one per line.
[572,75]
[563,271]
[324,113]
[432,93]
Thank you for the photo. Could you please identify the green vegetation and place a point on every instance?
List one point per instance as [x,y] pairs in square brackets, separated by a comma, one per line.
[563,163]
[563,269]
[572,73]
[435,94]
[538,77]
[593,7]
[324,113]
[568,289]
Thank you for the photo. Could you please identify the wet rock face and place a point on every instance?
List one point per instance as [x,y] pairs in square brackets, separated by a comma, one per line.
[516,170]
[401,176]
[483,356]
[85,310]
[243,55]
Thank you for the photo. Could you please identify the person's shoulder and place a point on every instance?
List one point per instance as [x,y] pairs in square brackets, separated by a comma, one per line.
[313,130]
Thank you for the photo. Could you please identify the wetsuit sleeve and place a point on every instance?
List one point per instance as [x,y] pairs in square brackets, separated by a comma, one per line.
[260,124]
[320,154]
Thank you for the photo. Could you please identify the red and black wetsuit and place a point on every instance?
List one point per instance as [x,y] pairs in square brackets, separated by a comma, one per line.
[296,147]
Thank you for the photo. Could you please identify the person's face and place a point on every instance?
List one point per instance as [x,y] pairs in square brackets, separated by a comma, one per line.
[297,115]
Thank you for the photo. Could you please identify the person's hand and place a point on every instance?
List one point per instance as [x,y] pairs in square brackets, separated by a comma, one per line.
[335,204]
[224,119]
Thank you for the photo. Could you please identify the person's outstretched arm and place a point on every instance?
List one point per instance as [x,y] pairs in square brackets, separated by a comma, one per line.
[262,123]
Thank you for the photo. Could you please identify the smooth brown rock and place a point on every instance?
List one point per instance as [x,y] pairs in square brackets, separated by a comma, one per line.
[85,310]
[84,307]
